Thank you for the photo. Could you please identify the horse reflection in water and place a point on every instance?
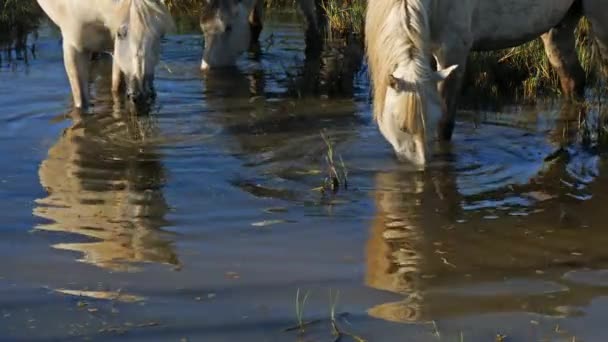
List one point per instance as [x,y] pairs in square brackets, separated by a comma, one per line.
[430,244]
[104,182]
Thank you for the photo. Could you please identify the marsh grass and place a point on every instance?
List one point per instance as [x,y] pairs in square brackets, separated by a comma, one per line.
[523,73]
[344,17]
[300,323]
[337,174]
[184,7]
[336,331]
[17,19]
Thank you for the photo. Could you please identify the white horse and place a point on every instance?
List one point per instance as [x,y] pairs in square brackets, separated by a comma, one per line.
[414,104]
[231,26]
[135,27]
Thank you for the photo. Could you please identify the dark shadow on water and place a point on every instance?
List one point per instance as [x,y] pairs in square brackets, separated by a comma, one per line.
[329,70]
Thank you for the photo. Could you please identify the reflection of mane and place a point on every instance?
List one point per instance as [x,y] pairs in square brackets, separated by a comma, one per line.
[416,247]
[393,248]
[108,191]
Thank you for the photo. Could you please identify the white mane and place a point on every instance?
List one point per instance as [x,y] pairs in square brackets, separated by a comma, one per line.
[153,15]
[397,33]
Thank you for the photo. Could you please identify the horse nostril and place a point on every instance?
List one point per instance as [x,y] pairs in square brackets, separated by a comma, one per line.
[134,96]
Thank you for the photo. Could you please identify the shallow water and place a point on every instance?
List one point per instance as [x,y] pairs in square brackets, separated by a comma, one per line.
[200,222]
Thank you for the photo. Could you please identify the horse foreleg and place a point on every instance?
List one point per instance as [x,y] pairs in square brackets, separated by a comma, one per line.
[449,89]
[256,22]
[117,78]
[312,11]
[77,68]
[560,47]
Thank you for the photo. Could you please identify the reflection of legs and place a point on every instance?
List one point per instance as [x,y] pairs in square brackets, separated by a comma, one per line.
[560,48]
[77,67]
[449,89]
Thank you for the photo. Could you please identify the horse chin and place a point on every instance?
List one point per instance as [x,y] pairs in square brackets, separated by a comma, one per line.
[414,150]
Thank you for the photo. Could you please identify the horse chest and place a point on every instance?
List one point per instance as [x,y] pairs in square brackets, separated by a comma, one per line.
[95,37]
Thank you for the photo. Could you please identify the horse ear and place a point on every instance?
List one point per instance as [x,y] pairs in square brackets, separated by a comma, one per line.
[442,74]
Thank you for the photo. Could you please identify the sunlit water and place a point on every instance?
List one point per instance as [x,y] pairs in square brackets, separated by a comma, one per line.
[200,220]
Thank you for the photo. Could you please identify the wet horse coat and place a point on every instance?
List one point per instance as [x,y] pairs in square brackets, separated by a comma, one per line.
[413,104]
[134,29]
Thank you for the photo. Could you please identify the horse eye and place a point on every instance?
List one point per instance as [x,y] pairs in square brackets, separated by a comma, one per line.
[393,82]
[122,32]
[228,28]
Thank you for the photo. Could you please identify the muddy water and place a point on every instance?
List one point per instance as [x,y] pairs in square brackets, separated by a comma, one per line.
[199,221]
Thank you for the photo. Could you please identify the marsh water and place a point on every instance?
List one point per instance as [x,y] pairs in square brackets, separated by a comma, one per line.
[202,221]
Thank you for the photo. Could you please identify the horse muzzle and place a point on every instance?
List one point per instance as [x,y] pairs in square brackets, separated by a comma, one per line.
[141,92]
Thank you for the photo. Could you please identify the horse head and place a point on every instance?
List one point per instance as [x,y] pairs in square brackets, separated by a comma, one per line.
[142,24]
[412,111]
[226,30]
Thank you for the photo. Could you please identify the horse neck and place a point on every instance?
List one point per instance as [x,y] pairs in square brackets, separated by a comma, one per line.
[114,12]
[417,27]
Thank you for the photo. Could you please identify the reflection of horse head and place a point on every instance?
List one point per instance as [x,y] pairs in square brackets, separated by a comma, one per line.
[104,181]
[407,205]
[431,243]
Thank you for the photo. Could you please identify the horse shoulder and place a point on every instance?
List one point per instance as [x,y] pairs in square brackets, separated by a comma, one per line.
[56,10]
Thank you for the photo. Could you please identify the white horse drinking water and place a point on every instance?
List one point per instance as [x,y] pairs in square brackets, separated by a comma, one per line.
[231,26]
[414,104]
[134,27]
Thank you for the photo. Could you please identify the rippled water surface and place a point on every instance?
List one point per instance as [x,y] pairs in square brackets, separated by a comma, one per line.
[201,221]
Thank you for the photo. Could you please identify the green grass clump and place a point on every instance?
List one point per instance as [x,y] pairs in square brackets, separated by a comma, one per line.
[345,16]
[524,72]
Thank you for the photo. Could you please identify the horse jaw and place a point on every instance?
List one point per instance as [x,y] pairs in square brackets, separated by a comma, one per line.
[408,147]
[413,144]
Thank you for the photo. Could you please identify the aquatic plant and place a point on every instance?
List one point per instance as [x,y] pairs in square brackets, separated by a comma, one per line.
[337,174]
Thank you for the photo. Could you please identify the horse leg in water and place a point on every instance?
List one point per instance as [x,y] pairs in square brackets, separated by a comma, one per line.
[595,11]
[117,77]
[449,89]
[256,19]
[77,67]
[560,47]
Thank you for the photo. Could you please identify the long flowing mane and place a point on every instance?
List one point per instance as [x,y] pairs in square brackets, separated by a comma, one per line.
[152,14]
[398,31]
